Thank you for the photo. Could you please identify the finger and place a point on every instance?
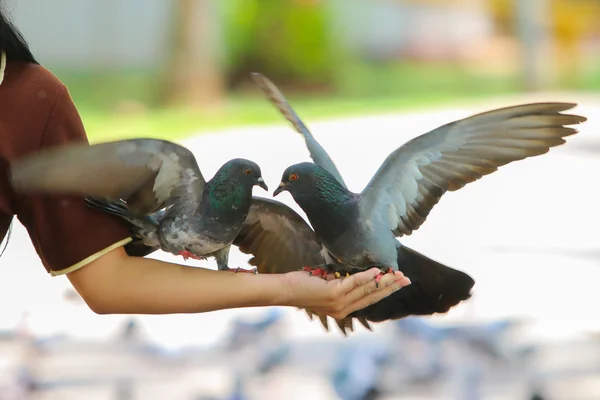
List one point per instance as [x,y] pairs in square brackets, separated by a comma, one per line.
[362,278]
[376,295]
[371,287]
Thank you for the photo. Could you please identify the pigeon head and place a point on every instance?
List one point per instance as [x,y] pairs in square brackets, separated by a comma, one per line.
[307,179]
[297,178]
[242,172]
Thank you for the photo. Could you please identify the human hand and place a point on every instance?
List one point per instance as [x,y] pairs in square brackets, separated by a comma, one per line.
[340,297]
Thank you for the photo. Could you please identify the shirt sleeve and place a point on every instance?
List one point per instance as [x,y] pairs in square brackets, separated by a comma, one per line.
[68,235]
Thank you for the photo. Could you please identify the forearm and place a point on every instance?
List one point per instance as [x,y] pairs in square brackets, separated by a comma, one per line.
[131,285]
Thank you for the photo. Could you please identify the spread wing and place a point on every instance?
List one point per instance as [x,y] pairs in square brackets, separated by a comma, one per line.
[317,152]
[278,237]
[148,174]
[281,241]
[413,178]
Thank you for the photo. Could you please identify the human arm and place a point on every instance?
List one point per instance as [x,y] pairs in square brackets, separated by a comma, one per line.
[118,284]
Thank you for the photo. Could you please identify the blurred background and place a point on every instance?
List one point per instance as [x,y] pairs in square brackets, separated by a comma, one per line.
[365,76]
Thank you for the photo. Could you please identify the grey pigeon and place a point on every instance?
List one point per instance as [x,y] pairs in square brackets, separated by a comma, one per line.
[359,230]
[154,185]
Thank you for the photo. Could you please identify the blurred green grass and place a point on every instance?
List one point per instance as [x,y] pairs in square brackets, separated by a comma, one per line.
[115,106]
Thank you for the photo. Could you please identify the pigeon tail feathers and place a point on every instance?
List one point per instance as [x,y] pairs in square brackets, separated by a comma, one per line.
[118,209]
[435,288]
[139,227]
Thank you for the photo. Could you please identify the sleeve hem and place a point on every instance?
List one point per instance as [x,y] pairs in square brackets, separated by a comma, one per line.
[91,258]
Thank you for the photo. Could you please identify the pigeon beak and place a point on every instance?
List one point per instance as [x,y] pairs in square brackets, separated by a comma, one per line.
[282,186]
[262,184]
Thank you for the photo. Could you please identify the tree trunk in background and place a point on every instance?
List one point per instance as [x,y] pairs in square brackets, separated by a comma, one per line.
[290,41]
[193,76]
[535,38]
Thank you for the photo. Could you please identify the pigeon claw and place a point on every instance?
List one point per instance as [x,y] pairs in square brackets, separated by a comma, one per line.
[379,276]
[186,254]
[317,271]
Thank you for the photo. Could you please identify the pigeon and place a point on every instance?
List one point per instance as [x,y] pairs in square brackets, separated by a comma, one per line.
[156,187]
[357,231]
[483,337]
[358,370]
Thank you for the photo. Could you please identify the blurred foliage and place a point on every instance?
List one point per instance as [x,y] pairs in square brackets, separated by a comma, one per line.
[290,41]
[570,19]
[365,89]
[294,43]
[569,22]
[421,80]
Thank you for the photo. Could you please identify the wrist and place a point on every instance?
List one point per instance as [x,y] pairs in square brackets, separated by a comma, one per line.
[285,292]
[269,289]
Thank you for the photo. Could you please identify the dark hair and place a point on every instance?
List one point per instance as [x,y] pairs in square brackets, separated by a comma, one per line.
[16,48]
[11,40]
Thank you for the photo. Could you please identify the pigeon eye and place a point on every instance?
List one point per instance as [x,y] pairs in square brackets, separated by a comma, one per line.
[247,171]
[293,177]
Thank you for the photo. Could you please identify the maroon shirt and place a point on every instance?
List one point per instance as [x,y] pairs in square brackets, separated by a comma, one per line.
[36,111]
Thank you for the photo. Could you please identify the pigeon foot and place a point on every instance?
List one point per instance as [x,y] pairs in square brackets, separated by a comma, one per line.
[186,254]
[319,270]
[384,270]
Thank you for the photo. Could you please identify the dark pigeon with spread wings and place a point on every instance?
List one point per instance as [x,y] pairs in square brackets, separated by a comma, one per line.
[360,230]
[156,187]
